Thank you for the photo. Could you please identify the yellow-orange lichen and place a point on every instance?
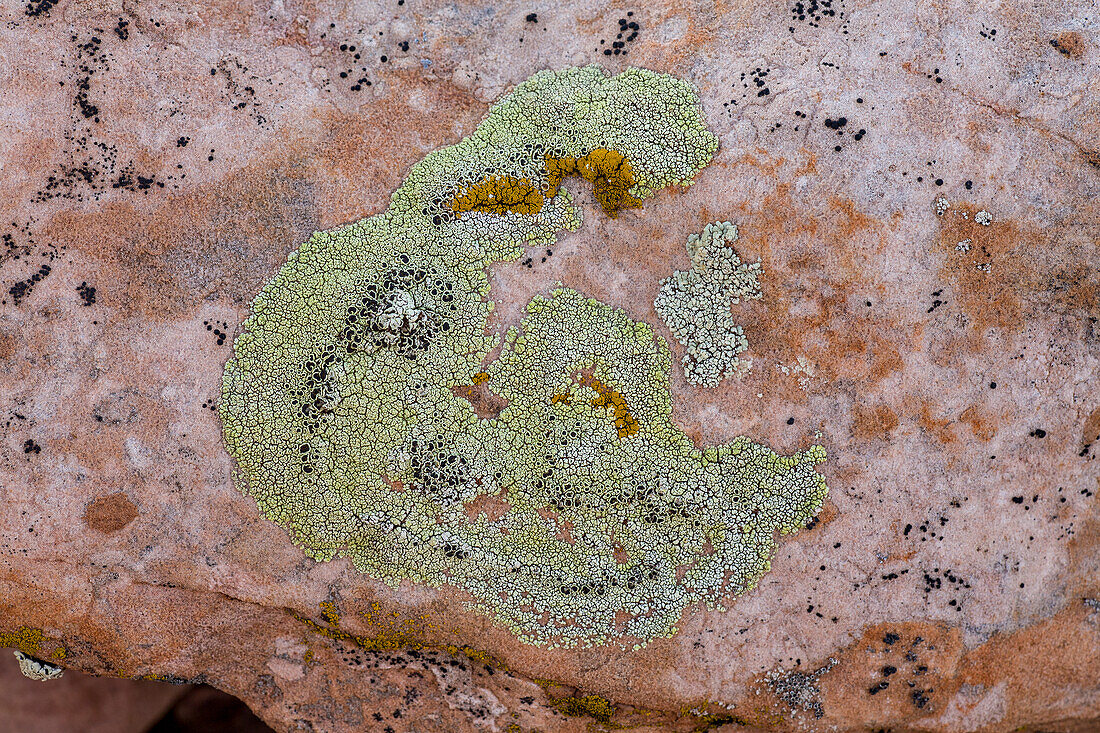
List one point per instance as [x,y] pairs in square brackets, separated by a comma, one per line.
[500,195]
[625,422]
[26,639]
[607,170]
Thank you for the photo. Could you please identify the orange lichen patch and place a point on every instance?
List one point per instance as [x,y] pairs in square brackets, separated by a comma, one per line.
[980,422]
[500,195]
[559,399]
[329,612]
[110,513]
[480,378]
[592,706]
[625,422]
[607,170]
[388,630]
[27,640]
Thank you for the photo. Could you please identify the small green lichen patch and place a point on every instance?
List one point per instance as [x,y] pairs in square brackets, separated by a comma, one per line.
[695,305]
[345,405]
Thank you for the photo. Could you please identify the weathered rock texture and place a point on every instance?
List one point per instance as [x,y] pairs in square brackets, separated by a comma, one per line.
[160,160]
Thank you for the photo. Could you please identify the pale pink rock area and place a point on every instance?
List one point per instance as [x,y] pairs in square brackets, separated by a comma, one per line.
[160,160]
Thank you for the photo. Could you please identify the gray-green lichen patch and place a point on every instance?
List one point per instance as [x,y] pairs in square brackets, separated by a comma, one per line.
[36,669]
[695,305]
[343,406]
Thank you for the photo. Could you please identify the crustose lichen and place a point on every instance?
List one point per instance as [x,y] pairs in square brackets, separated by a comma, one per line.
[345,405]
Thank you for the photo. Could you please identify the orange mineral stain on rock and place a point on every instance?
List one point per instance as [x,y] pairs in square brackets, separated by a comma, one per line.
[873,423]
[980,421]
[7,346]
[110,513]
[935,425]
[1069,43]
[895,674]
[1090,433]
[1054,660]
[1003,272]
[829,309]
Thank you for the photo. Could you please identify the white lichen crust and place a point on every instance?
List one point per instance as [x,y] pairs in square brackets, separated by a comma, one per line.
[695,305]
[36,669]
[344,405]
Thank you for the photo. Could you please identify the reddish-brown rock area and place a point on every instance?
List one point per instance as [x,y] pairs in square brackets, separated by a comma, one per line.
[161,160]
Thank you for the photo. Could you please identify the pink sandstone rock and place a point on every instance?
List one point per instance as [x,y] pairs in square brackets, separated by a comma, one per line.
[161,160]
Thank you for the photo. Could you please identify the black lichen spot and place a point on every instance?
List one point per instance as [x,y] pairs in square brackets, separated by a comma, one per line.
[936,301]
[121,30]
[628,33]
[23,288]
[29,446]
[890,638]
[182,142]
[1038,433]
[36,8]
[814,12]
[87,293]
[876,689]
[532,18]
[219,334]
[90,165]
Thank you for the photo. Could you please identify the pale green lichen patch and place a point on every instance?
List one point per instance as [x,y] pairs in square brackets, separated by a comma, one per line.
[343,405]
[36,669]
[695,305]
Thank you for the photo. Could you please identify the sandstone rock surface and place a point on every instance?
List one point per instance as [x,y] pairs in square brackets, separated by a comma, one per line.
[161,160]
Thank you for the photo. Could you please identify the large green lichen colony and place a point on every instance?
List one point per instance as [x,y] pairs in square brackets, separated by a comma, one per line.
[346,404]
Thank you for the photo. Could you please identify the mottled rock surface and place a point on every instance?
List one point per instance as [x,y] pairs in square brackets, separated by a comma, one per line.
[160,160]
